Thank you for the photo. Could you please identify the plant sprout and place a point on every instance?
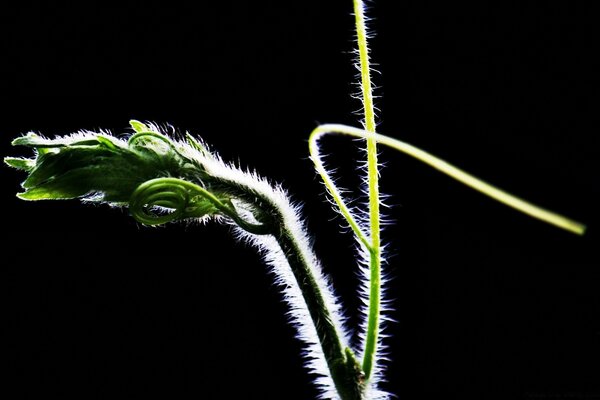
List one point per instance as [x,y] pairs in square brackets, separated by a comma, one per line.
[164,179]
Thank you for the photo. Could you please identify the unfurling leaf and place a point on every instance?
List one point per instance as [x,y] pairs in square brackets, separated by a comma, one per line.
[100,167]
[160,179]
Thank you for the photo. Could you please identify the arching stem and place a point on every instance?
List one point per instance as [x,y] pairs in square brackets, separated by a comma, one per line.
[500,195]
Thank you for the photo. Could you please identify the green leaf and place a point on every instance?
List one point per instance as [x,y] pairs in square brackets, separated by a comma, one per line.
[25,164]
[107,142]
[138,126]
[100,166]
[34,140]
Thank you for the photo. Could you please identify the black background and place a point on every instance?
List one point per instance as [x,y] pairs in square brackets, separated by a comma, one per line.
[489,303]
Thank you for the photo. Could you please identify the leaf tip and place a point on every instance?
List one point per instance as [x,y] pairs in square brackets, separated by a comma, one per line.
[25,196]
[24,164]
[138,126]
[24,140]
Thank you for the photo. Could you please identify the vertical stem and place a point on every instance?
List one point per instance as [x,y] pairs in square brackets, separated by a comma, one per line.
[365,68]
[373,182]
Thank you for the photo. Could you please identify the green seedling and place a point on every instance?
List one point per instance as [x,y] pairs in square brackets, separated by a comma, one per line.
[162,179]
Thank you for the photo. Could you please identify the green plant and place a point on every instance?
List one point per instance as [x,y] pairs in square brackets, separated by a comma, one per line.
[162,180]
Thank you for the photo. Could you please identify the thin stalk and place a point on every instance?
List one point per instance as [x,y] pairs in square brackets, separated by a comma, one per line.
[361,236]
[374,310]
[497,194]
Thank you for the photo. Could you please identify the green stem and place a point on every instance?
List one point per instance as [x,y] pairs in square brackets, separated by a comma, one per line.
[180,196]
[345,369]
[497,194]
[365,68]
[374,311]
[437,163]
[343,365]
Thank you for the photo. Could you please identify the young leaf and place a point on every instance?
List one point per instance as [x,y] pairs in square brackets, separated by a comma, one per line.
[138,126]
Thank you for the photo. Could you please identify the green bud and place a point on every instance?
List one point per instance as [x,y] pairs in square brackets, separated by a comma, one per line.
[159,179]
[97,166]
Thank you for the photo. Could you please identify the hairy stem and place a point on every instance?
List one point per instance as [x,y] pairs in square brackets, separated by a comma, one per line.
[342,364]
[374,311]
[500,195]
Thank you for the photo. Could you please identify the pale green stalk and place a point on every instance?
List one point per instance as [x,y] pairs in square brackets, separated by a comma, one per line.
[374,311]
[441,165]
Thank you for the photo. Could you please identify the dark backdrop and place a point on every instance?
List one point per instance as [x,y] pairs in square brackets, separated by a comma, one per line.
[489,303]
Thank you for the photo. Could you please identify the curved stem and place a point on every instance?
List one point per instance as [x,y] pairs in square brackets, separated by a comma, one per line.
[343,366]
[315,155]
[500,195]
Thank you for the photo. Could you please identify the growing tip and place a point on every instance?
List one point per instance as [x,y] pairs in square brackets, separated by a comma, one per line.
[138,126]
[25,140]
